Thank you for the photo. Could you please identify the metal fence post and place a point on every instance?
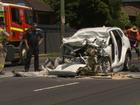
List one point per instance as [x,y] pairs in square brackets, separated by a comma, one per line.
[62,19]
[45,41]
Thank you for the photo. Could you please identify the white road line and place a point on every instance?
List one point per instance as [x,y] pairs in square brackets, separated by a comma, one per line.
[57,86]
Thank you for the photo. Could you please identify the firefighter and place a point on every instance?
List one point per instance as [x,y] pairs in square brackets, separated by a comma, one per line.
[3,37]
[32,39]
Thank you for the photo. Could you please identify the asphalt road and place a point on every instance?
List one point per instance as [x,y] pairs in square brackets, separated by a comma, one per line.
[68,91]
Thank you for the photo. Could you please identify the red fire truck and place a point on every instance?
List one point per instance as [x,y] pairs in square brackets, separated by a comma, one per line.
[16,19]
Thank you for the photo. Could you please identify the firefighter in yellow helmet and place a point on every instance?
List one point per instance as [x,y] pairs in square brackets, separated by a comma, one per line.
[3,36]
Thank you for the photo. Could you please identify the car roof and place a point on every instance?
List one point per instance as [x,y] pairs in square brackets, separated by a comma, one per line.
[99,29]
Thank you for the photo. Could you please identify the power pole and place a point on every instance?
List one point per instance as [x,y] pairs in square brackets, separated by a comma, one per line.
[62,9]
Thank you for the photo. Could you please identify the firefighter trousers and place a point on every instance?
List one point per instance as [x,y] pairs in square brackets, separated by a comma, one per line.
[2,59]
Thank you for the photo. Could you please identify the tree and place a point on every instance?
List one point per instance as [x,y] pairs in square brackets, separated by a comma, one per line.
[46,1]
[88,13]
[123,20]
[93,13]
[72,8]
[55,5]
[114,11]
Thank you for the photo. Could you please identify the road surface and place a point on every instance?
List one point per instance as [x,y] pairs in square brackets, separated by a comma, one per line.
[68,91]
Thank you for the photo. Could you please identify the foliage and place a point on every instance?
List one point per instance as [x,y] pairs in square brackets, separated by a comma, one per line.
[90,13]
[114,10]
[123,20]
[72,8]
[55,5]
[46,1]
[95,14]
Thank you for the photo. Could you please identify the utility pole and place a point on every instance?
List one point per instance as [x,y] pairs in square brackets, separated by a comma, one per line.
[62,16]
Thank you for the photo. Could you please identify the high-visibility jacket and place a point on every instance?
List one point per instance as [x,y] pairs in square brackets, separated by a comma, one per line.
[2,35]
[138,36]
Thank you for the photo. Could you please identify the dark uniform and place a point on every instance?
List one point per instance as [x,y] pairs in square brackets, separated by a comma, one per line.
[32,38]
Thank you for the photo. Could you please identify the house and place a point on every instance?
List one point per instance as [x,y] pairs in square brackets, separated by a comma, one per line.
[132,8]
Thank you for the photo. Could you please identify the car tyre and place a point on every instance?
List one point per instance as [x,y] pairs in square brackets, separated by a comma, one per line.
[106,65]
[127,63]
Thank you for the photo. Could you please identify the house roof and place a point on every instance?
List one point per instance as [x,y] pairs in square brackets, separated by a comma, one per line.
[131,10]
[35,4]
[40,6]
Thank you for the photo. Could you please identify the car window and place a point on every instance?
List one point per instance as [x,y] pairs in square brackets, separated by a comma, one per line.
[15,15]
[120,33]
[118,38]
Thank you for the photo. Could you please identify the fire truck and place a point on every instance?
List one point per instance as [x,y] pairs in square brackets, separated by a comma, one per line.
[16,19]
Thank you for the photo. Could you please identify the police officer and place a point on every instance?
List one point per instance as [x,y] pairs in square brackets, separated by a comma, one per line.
[3,37]
[32,38]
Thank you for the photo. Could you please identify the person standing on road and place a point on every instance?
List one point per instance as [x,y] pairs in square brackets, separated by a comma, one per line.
[138,43]
[133,33]
[3,37]
[32,38]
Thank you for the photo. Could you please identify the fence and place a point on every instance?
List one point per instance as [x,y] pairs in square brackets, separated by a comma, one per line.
[52,39]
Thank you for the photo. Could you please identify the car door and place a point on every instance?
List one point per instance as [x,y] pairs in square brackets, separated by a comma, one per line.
[117,36]
[110,48]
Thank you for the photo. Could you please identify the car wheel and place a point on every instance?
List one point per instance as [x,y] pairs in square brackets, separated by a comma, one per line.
[106,65]
[127,63]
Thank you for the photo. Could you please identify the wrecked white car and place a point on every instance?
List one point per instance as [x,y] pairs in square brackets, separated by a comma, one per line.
[103,48]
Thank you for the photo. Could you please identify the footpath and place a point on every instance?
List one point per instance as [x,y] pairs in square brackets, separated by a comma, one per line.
[114,76]
[6,74]
[9,73]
